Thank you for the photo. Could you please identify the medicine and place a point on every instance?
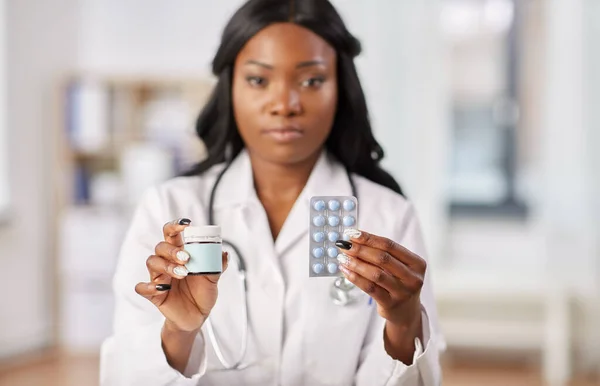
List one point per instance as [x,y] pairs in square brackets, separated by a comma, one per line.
[319,237]
[330,216]
[205,246]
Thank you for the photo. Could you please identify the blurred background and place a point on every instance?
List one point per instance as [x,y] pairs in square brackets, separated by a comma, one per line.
[487,110]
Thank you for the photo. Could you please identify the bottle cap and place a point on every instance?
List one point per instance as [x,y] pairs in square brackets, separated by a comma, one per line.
[202,231]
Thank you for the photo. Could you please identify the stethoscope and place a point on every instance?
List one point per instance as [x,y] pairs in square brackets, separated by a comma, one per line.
[341,292]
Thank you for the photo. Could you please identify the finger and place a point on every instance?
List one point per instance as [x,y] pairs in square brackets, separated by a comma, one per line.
[225,257]
[393,248]
[158,266]
[380,295]
[225,261]
[172,231]
[172,252]
[150,290]
[371,272]
[377,257]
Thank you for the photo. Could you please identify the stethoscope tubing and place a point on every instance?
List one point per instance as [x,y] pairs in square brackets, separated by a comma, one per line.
[241,265]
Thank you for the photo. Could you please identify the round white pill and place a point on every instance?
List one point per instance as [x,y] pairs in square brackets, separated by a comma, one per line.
[349,221]
[319,221]
[317,268]
[334,221]
[332,251]
[319,237]
[334,205]
[319,205]
[349,205]
[333,236]
[332,267]
[318,252]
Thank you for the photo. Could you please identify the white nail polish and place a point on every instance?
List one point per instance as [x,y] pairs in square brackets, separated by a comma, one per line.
[352,233]
[345,270]
[183,256]
[180,271]
[343,259]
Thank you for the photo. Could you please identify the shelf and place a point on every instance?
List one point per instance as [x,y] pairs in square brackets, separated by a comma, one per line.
[115,136]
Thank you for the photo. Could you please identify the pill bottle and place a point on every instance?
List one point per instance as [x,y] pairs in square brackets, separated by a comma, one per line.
[204,244]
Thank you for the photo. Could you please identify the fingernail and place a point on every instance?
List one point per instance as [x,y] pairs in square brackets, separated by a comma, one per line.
[183,256]
[345,270]
[352,233]
[163,287]
[180,271]
[343,259]
[343,244]
[184,221]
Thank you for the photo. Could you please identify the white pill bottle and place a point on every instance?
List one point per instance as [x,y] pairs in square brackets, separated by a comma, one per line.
[205,246]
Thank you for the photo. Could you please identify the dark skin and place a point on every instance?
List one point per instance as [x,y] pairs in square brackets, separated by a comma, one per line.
[284,100]
[284,76]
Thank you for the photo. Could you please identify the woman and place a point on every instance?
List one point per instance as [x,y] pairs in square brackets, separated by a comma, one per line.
[287,120]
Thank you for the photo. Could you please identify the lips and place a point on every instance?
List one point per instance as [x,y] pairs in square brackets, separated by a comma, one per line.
[284,134]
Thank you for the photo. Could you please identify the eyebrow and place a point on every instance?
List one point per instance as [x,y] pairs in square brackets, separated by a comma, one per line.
[307,63]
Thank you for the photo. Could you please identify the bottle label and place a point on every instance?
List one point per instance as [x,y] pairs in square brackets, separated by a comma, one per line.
[204,258]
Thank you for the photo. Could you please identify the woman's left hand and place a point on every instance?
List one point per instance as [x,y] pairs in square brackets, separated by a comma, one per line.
[393,276]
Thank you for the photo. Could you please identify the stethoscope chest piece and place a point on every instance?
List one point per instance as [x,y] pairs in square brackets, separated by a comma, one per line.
[343,292]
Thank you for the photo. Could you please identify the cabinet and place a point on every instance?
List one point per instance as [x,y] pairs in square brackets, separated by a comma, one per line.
[116,137]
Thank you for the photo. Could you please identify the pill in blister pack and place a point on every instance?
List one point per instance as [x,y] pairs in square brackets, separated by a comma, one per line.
[329,217]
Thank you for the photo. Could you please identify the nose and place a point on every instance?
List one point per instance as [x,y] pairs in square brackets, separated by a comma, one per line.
[285,102]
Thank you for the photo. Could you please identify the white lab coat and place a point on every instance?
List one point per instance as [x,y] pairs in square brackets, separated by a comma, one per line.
[297,335]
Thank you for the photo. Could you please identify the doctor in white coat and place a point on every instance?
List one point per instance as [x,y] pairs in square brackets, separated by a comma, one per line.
[287,121]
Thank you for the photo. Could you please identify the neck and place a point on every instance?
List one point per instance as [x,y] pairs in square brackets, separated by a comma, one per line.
[281,182]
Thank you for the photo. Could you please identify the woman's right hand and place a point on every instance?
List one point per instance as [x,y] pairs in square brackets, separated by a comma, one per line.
[185,301]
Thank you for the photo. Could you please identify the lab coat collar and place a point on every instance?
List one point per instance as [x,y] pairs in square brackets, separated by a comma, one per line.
[237,184]
[328,178]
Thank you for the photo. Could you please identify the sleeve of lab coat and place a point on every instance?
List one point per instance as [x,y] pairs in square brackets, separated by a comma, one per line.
[133,355]
[376,366]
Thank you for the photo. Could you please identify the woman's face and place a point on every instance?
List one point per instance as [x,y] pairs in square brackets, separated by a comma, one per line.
[285,93]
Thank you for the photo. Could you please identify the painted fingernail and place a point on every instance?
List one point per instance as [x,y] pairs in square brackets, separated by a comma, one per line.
[184,221]
[180,271]
[345,270]
[183,256]
[352,233]
[163,287]
[343,259]
[343,244]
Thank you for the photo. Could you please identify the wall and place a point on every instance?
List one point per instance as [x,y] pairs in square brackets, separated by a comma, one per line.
[567,170]
[591,56]
[591,111]
[40,46]
[153,36]
[4,183]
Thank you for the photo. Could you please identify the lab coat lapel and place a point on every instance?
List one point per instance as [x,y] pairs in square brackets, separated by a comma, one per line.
[237,196]
[237,185]
[328,178]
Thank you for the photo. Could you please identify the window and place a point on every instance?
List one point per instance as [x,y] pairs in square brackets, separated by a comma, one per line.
[482,39]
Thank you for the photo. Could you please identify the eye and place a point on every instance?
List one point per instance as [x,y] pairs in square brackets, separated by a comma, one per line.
[256,81]
[313,82]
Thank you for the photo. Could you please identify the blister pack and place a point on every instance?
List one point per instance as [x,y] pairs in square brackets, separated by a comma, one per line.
[329,217]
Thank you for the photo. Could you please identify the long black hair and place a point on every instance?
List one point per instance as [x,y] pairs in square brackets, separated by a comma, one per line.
[351,140]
